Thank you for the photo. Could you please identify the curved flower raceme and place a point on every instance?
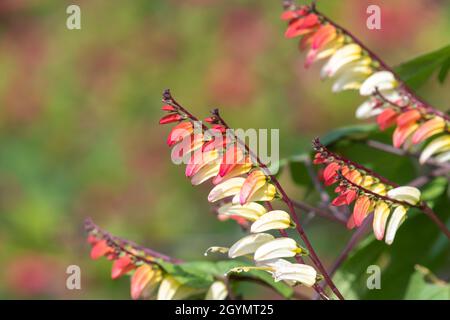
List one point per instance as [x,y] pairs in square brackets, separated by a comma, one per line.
[145,277]
[368,191]
[148,279]
[240,186]
[354,67]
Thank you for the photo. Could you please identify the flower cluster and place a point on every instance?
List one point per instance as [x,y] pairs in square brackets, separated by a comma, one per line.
[356,68]
[368,191]
[414,124]
[148,278]
[241,184]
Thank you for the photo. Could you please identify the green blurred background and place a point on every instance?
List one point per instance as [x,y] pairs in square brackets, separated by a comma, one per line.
[79,117]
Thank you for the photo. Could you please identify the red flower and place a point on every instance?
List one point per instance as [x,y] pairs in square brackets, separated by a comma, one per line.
[407,117]
[330,173]
[179,132]
[361,209]
[387,118]
[302,26]
[173,117]
[168,107]
[122,266]
[230,159]
[294,14]
[100,249]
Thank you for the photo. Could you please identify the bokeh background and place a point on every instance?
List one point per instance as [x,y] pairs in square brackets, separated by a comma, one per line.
[79,114]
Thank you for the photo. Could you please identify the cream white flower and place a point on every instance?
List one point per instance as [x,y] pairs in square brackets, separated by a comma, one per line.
[249,244]
[383,80]
[438,145]
[217,291]
[361,65]
[343,56]
[368,109]
[407,194]
[277,248]
[273,264]
[250,211]
[381,214]
[443,157]
[398,216]
[171,289]
[348,81]
[168,288]
[225,189]
[276,219]
[297,272]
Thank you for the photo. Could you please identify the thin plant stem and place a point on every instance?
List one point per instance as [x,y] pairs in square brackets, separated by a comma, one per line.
[289,203]
[432,215]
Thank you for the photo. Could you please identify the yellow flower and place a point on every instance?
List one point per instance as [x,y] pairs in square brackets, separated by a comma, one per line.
[266,193]
[273,220]
[250,211]
[340,58]
[225,189]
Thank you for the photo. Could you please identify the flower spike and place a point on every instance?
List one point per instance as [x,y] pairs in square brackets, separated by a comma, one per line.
[356,67]
[370,191]
[241,180]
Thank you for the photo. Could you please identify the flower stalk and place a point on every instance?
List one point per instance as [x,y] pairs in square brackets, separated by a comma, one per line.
[284,197]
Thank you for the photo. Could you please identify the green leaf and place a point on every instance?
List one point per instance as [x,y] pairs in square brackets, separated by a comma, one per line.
[444,70]
[420,289]
[299,171]
[419,70]
[281,287]
[434,189]
[191,274]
